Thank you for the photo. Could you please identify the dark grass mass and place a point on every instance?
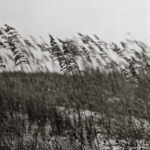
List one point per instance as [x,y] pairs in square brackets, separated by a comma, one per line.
[40,110]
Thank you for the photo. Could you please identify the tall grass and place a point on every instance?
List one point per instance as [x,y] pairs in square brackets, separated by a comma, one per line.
[79,109]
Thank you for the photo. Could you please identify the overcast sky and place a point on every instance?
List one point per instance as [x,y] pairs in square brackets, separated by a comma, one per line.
[111,19]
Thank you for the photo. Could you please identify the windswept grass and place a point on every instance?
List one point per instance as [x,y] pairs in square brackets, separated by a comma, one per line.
[81,109]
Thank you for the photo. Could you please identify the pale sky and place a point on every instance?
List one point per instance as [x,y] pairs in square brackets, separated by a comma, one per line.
[110,19]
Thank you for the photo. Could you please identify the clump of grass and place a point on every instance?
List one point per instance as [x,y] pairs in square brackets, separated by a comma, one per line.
[15,43]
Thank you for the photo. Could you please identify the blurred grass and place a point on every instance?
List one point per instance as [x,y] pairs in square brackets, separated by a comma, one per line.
[28,100]
[106,92]
[76,110]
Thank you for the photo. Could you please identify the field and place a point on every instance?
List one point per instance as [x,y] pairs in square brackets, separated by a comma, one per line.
[73,94]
